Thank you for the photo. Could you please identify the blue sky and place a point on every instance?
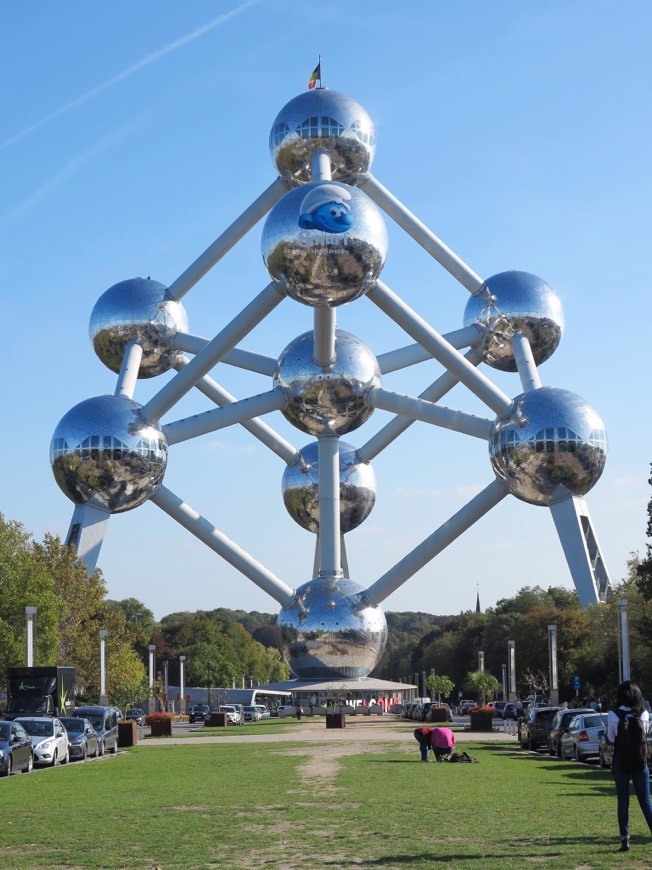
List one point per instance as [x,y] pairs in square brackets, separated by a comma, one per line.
[133,134]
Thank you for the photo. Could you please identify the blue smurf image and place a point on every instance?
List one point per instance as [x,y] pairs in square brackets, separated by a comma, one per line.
[326,208]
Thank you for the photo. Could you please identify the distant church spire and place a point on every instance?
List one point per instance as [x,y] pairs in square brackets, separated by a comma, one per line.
[478,609]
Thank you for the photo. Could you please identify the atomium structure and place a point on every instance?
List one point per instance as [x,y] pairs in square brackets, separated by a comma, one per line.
[324,244]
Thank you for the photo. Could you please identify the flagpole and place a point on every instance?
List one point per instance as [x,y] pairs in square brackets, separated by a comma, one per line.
[319,65]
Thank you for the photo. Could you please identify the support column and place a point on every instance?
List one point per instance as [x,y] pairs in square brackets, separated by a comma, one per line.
[87,530]
[623,637]
[151,706]
[104,699]
[30,635]
[511,665]
[328,455]
[552,658]
[182,684]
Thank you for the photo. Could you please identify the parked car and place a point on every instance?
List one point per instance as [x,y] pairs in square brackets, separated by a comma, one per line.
[264,712]
[105,721]
[234,714]
[560,723]
[438,707]
[82,738]
[509,711]
[534,729]
[135,714]
[582,740]
[465,706]
[424,711]
[198,713]
[16,752]
[251,713]
[49,739]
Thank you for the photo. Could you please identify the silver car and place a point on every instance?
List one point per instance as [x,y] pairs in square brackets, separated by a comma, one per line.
[582,740]
[49,739]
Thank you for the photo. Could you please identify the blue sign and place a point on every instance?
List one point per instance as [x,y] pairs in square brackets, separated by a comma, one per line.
[577,683]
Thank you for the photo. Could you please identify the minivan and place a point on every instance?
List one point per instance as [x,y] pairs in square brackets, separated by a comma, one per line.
[105,722]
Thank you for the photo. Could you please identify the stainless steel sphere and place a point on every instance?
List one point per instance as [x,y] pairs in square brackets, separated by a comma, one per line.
[523,303]
[330,632]
[327,120]
[327,400]
[102,447]
[301,488]
[326,242]
[138,309]
[550,443]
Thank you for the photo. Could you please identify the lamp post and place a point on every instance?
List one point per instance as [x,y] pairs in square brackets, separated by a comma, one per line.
[481,660]
[166,665]
[210,667]
[623,634]
[511,666]
[103,696]
[552,659]
[150,700]
[30,635]
[504,670]
[182,685]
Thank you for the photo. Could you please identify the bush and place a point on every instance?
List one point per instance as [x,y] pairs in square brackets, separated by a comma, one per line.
[153,718]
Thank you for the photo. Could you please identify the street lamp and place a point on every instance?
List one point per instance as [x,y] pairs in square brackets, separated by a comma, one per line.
[511,666]
[623,632]
[210,668]
[30,635]
[182,685]
[552,659]
[481,660]
[150,701]
[165,684]
[103,696]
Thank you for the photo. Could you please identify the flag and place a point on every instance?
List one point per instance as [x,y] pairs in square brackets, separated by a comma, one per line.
[316,74]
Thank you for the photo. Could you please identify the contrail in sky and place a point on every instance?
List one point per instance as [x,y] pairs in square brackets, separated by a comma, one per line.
[146,61]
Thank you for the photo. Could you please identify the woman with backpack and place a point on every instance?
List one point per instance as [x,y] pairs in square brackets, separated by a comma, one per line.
[627,727]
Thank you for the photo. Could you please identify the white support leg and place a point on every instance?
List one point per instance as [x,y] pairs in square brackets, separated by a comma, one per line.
[581,548]
[437,415]
[403,357]
[328,454]
[325,321]
[527,368]
[87,530]
[128,376]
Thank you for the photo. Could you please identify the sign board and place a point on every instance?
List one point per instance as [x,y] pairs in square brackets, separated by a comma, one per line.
[577,683]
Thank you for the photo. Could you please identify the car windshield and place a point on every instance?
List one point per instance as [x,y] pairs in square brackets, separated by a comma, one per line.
[73,725]
[5,731]
[96,720]
[595,721]
[38,729]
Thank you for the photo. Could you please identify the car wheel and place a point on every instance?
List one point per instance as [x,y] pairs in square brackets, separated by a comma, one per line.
[603,763]
[576,754]
[531,745]
[10,764]
[30,764]
[66,757]
[84,754]
[55,757]
[559,750]
[551,749]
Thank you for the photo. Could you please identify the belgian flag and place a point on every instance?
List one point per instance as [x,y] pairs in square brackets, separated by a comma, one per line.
[316,74]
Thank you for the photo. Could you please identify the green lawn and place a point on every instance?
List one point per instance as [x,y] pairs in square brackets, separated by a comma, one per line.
[291,805]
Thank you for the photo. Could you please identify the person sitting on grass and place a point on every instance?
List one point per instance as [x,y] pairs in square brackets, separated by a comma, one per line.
[440,740]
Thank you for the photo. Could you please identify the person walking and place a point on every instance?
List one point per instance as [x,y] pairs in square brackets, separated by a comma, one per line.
[627,727]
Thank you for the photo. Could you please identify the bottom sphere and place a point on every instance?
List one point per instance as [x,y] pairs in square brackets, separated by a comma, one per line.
[330,632]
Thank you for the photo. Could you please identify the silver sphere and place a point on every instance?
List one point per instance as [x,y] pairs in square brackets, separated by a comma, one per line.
[523,303]
[330,632]
[103,448]
[322,119]
[138,310]
[327,400]
[357,488]
[551,438]
[326,242]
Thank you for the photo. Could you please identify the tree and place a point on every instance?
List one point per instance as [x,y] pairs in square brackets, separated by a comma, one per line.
[482,684]
[644,566]
[439,684]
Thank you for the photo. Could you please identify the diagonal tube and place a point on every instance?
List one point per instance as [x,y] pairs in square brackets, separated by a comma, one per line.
[242,359]
[527,368]
[403,357]
[223,244]
[438,541]
[214,351]
[223,546]
[429,338]
[418,409]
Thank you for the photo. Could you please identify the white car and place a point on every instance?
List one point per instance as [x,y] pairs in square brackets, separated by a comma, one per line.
[49,739]
[264,712]
[234,714]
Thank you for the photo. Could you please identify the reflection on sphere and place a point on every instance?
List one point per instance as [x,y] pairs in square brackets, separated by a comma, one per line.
[301,488]
[524,303]
[103,448]
[332,399]
[322,119]
[329,632]
[324,259]
[550,438]
[138,309]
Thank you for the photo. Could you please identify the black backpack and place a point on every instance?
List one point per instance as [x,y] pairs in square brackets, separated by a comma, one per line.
[630,747]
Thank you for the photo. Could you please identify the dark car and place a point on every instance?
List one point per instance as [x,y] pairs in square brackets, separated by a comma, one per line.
[16,751]
[534,729]
[197,713]
[82,738]
[560,726]
[105,721]
[135,714]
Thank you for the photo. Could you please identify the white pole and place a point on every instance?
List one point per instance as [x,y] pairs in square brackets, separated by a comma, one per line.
[152,650]
[429,412]
[182,684]
[103,697]
[128,376]
[504,681]
[624,639]
[481,660]
[511,660]
[30,619]
[165,683]
[527,368]
[552,654]
[402,357]
[320,164]
[328,456]
[323,352]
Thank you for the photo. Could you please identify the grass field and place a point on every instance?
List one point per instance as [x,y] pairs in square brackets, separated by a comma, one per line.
[326,804]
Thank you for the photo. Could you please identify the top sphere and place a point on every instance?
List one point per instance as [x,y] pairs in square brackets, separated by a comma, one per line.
[141,310]
[322,119]
[524,303]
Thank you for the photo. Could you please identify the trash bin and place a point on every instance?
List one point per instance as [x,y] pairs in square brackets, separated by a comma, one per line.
[335,720]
